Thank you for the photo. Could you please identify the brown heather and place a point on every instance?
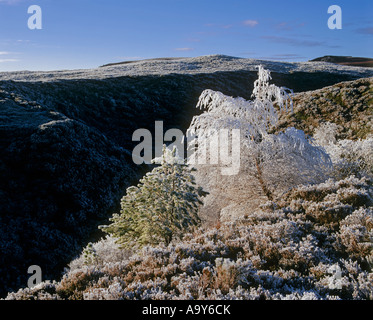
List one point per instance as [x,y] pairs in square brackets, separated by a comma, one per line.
[282,251]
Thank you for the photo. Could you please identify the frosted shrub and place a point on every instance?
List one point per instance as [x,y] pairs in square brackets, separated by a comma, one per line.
[44,291]
[73,284]
[277,162]
[356,235]
[348,156]
[113,292]
[226,274]
[95,254]
[326,134]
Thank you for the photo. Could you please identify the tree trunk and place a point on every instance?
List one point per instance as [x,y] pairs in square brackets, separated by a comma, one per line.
[265,189]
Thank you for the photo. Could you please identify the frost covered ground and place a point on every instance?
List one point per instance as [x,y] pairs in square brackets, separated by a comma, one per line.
[203,64]
[314,244]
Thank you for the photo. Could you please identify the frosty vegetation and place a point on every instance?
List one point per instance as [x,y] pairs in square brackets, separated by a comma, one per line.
[276,161]
[348,156]
[288,250]
[163,205]
[312,239]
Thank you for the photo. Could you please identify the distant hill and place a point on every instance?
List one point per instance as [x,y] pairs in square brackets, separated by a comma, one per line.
[347,61]
[132,61]
[207,65]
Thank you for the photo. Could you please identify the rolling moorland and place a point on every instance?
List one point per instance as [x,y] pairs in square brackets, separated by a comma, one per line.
[347,61]
[66,157]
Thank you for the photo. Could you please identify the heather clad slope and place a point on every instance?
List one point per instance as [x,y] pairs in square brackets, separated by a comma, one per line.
[347,104]
[66,143]
[347,61]
[312,245]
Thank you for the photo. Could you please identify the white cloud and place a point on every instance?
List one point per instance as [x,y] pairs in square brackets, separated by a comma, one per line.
[8,60]
[250,23]
[9,1]
[7,53]
[184,49]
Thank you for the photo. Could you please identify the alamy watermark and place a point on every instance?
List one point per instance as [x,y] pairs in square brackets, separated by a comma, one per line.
[36,276]
[335,20]
[35,20]
[215,147]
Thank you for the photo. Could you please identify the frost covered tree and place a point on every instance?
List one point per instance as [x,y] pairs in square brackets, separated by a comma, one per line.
[164,204]
[276,161]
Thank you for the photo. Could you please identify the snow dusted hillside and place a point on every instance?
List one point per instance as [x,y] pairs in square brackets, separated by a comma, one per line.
[204,64]
[65,140]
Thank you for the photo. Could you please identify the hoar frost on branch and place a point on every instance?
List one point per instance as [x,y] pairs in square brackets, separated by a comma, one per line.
[276,161]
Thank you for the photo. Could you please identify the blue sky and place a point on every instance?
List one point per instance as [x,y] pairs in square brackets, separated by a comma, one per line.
[90,33]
